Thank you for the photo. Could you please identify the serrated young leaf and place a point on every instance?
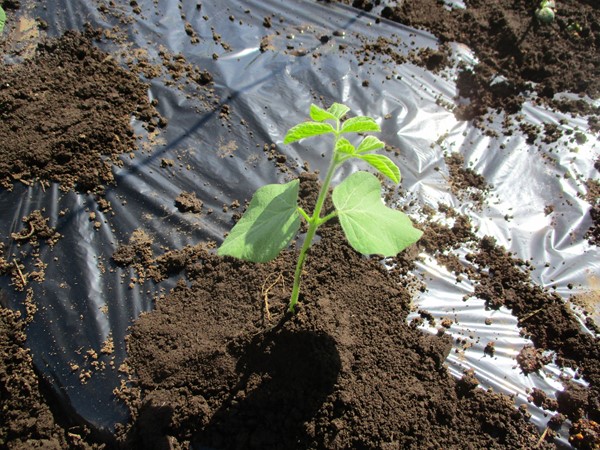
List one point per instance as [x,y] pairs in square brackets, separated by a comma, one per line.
[360,124]
[307,129]
[338,110]
[371,227]
[343,145]
[267,226]
[368,144]
[384,165]
[319,114]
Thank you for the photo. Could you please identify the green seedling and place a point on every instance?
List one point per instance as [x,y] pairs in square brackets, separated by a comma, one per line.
[574,28]
[273,217]
[2,19]
[545,12]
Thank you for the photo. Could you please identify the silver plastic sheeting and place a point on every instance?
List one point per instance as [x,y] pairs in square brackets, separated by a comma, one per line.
[86,299]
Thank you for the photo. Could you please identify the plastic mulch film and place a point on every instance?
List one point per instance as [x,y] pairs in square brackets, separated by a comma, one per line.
[265,77]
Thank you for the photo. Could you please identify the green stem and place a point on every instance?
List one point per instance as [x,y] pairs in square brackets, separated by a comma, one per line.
[313,224]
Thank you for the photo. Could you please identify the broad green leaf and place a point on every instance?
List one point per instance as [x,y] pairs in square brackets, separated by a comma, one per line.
[343,145]
[319,114]
[307,129]
[338,110]
[368,144]
[384,165]
[2,19]
[360,124]
[369,225]
[267,226]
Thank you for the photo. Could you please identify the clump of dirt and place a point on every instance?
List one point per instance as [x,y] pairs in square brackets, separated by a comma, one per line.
[66,115]
[539,398]
[531,359]
[139,255]
[585,434]
[573,401]
[221,364]
[188,202]
[465,183]
[438,237]
[593,198]
[36,229]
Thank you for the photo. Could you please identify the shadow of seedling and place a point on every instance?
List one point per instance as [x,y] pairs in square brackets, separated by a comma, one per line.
[285,378]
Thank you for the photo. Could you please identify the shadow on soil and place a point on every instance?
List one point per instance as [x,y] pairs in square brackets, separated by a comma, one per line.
[285,377]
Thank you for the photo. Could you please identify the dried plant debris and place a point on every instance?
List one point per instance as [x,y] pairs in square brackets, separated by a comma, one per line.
[26,264]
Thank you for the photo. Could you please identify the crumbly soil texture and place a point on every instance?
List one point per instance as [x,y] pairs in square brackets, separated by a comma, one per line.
[220,364]
[66,113]
[517,54]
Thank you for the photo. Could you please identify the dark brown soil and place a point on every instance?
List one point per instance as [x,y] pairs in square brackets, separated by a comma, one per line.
[516,53]
[593,198]
[220,354]
[465,183]
[66,115]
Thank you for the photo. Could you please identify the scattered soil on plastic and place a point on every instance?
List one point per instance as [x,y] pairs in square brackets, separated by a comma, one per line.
[26,420]
[66,115]
[593,198]
[465,183]
[517,54]
[24,264]
[503,280]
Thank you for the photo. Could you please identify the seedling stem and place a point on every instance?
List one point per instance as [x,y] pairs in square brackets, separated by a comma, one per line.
[273,216]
